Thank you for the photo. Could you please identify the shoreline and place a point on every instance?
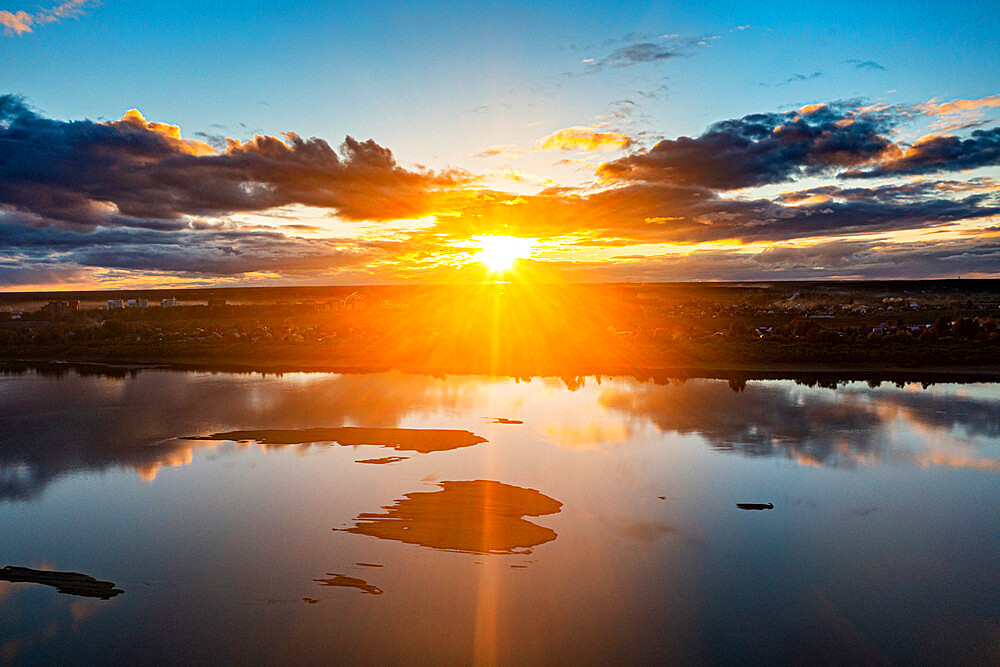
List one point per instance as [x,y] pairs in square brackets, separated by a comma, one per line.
[820,373]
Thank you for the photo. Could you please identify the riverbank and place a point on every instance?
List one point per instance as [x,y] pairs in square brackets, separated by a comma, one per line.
[806,373]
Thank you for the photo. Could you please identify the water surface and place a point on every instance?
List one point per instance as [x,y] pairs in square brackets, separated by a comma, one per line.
[392,517]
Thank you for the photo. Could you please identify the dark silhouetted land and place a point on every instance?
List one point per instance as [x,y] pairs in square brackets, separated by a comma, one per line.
[71,583]
[422,440]
[349,582]
[524,330]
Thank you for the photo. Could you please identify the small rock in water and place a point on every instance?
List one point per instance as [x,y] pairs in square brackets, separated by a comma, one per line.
[755,506]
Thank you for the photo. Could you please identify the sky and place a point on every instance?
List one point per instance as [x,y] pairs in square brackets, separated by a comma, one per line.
[240,143]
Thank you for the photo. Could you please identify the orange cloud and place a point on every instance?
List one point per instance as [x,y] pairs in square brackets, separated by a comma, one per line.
[16,23]
[507,150]
[20,22]
[581,138]
[935,108]
[811,108]
[135,118]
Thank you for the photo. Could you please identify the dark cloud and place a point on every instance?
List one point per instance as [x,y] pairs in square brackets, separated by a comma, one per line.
[842,138]
[129,196]
[655,92]
[136,173]
[938,153]
[761,148]
[856,260]
[864,64]
[47,254]
[633,54]
[796,78]
[666,213]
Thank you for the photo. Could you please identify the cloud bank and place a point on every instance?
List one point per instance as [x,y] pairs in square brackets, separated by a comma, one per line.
[134,197]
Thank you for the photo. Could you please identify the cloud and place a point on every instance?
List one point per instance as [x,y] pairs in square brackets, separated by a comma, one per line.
[937,153]
[133,172]
[20,22]
[796,78]
[506,150]
[843,138]
[759,149]
[958,114]
[854,260]
[581,138]
[63,254]
[664,213]
[864,64]
[134,197]
[633,54]
[935,108]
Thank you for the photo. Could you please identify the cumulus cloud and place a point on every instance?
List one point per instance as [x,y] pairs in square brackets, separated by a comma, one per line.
[842,138]
[20,22]
[133,172]
[937,153]
[759,149]
[583,138]
[136,196]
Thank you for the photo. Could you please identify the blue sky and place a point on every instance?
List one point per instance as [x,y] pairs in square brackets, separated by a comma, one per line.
[409,74]
[439,83]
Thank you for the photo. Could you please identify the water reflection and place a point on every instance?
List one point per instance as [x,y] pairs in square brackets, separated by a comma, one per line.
[480,516]
[646,475]
[30,619]
[846,427]
[76,421]
[81,420]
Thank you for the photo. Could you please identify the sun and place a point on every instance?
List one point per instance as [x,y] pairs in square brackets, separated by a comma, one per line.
[499,253]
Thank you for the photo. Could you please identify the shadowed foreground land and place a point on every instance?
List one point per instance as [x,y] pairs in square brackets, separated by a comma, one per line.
[72,583]
[522,330]
[479,516]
